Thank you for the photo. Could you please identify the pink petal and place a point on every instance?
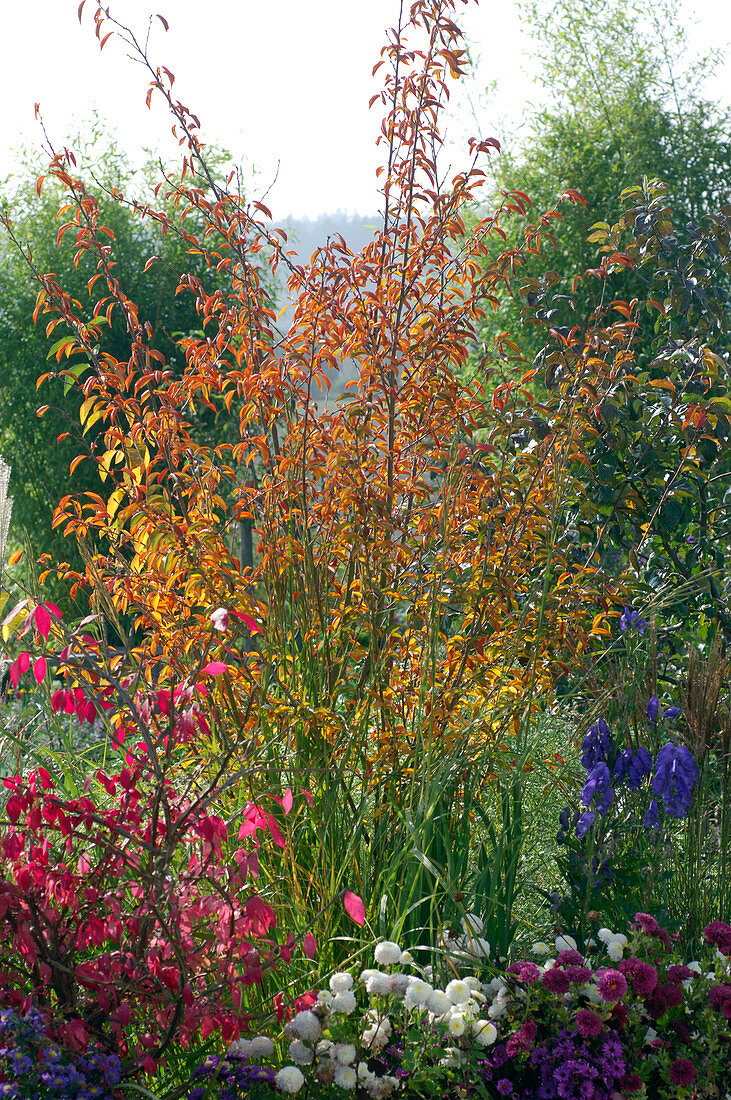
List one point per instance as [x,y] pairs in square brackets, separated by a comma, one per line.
[354,907]
[253,626]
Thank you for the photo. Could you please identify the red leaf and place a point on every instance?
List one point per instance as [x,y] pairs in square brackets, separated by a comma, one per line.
[286,800]
[39,669]
[309,946]
[42,620]
[354,907]
[20,665]
[215,668]
[252,625]
[81,8]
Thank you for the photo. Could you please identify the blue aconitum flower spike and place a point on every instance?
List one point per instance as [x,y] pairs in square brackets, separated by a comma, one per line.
[652,817]
[598,782]
[671,712]
[597,746]
[630,619]
[676,774]
[584,823]
[652,709]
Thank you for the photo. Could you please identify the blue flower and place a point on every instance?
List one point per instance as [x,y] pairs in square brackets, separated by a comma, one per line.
[597,745]
[652,816]
[585,822]
[652,710]
[598,786]
[635,768]
[630,619]
[676,774]
[671,712]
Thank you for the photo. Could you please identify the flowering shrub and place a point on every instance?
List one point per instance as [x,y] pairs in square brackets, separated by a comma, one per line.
[33,1065]
[626,1019]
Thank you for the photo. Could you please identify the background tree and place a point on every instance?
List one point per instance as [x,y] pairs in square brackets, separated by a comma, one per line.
[41,449]
[623,100]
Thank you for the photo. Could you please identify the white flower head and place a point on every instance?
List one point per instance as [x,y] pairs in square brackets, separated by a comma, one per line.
[615,950]
[300,1053]
[324,997]
[418,991]
[457,1025]
[290,1079]
[399,984]
[306,1026]
[458,991]
[387,953]
[406,958]
[484,1032]
[261,1046]
[378,983]
[565,943]
[438,1003]
[343,1002]
[219,619]
[541,948]
[344,1053]
[341,981]
[346,1077]
[472,925]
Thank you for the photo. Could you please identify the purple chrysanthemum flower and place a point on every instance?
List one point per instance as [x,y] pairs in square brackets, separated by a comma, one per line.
[612,985]
[588,1023]
[682,1072]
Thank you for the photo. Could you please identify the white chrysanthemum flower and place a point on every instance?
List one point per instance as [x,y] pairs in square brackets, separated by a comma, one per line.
[261,1046]
[387,952]
[300,1053]
[593,994]
[343,1002]
[458,991]
[615,950]
[306,1026]
[289,1079]
[472,924]
[364,1074]
[399,984]
[324,997]
[242,1047]
[457,1026]
[346,1077]
[406,958]
[438,1003]
[548,965]
[605,935]
[497,1009]
[695,966]
[472,982]
[341,981]
[565,943]
[540,948]
[344,1053]
[484,1033]
[418,991]
[378,983]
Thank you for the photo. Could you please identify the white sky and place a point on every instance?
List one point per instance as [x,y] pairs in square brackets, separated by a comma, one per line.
[283,81]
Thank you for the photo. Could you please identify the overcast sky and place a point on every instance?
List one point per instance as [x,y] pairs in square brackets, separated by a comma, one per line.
[285,82]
